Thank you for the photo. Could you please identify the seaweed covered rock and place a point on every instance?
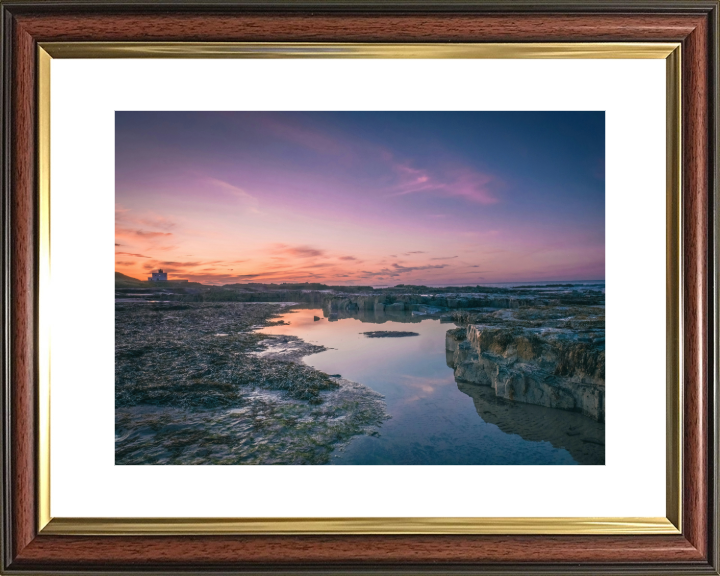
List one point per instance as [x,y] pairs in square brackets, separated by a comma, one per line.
[197,384]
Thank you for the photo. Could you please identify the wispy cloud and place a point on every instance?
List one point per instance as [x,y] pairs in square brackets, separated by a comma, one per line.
[397,270]
[231,189]
[161,222]
[297,251]
[461,182]
[184,264]
[299,134]
[128,232]
[131,254]
[140,230]
[405,269]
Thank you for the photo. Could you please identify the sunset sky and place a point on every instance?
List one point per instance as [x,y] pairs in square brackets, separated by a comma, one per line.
[371,198]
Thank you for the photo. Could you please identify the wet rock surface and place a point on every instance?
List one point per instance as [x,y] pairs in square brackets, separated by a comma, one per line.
[390,334]
[196,384]
[551,355]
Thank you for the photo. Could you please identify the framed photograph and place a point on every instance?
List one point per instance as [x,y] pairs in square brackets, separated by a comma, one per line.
[295,287]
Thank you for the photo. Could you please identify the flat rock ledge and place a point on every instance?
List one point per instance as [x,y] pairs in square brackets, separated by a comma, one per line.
[552,367]
[390,334]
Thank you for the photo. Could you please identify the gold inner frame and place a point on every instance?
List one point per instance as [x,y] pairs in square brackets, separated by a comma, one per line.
[671,524]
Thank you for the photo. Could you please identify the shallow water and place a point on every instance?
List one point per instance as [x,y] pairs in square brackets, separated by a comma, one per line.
[434,420]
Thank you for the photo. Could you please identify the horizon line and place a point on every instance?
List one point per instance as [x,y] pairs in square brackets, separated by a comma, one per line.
[433,285]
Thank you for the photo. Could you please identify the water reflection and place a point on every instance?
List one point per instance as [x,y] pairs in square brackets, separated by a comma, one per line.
[376,316]
[435,420]
[582,437]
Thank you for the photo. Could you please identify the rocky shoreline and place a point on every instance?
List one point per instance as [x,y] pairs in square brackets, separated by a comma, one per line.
[197,383]
[552,356]
[542,345]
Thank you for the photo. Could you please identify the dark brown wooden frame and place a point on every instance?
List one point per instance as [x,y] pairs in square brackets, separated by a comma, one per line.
[694,23]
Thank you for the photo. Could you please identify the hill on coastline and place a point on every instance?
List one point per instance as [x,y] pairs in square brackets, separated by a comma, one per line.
[123,281]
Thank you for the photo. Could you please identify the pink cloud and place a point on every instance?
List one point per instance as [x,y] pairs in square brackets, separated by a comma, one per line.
[130,254]
[297,251]
[296,133]
[464,182]
[228,189]
[161,222]
[130,233]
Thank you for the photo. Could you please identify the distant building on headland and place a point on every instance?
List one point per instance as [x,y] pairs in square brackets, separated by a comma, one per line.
[158,276]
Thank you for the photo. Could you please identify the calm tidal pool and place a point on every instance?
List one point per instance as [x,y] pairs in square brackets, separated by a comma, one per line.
[434,420]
